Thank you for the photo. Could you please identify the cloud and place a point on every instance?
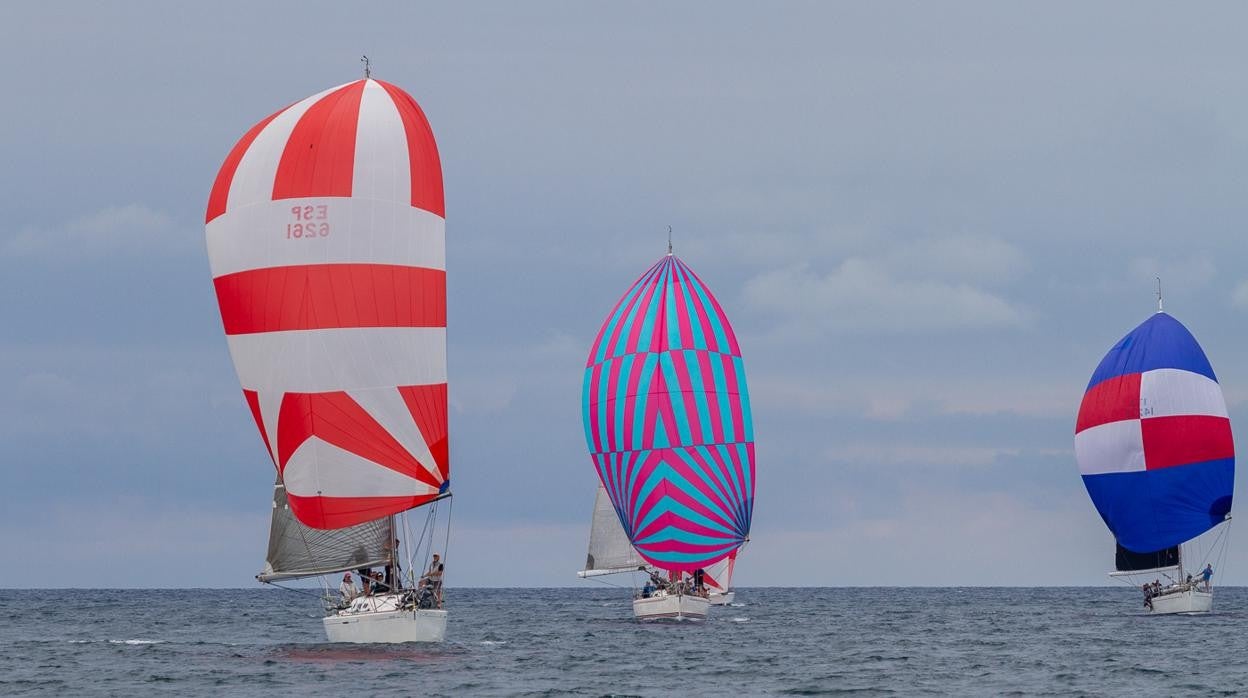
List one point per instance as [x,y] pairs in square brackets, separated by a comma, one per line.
[867,296]
[1239,296]
[132,229]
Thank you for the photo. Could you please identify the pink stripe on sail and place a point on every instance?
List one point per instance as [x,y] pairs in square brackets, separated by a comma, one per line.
[659,406]
[734,399]
[632,400]
[613,377]
[719,312]
[674,546]
[703,321]
[645,298]
[682,314]
[688,399]
[712,397]
[595,406]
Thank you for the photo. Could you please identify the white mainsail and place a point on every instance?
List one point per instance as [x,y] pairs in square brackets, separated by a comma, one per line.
[610,552]
[296,550]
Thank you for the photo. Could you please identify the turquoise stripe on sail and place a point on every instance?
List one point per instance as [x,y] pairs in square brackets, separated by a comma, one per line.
[717,328]
[698,340]
[674,394]
[722,397]
[747,415]
[699,394]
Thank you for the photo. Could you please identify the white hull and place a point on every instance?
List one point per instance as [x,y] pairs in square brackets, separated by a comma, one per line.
[674,606]
[378,619]
[1183,601]
[721,598]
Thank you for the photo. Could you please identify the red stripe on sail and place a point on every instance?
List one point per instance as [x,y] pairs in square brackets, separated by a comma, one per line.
[253,402]
[327,296]
[422,152]
[1171,441]
[340,512]
[337,419]
[427,404]
[1110,400]
[319,158]
[219,197]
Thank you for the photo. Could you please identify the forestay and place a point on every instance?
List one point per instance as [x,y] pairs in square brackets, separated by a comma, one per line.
[1154,442]
[667,420]
[609,549]
[296,550]
[326,240]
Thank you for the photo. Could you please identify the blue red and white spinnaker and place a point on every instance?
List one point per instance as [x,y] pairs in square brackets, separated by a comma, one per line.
[1154,446]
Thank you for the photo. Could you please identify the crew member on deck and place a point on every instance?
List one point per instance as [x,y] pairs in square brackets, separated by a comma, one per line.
[347,589]
[1207,574]
[433,578]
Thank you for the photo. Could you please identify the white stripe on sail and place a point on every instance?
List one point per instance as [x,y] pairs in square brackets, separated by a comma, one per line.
[318,468]
[1168,392]
[382,168]
[356,231]
[1116,447]
[317,361]
[257,170]
[386,406]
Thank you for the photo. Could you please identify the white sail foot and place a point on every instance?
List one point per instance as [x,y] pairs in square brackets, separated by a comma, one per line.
[1189,600]
[378,619]
[671,606]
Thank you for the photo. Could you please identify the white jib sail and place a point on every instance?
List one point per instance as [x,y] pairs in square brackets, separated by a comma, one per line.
[610,551]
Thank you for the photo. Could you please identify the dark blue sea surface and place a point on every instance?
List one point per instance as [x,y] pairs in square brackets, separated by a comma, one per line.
[542,642]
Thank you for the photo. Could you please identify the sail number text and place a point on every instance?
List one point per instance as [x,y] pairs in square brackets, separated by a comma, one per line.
[308,222]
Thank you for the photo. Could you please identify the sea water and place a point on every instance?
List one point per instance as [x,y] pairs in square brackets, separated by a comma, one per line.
[584,641]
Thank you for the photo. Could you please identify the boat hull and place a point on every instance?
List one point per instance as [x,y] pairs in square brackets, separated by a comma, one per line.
[671,607]
[1187,601]
[381,619]
[722,599]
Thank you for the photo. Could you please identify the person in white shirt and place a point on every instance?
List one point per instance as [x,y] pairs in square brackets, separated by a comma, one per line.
[347,589]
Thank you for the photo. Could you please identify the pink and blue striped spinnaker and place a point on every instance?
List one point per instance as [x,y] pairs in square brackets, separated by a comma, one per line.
[1153,439]
[667,420]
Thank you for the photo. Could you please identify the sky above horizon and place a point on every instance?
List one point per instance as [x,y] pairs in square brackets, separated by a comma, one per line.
[927,223]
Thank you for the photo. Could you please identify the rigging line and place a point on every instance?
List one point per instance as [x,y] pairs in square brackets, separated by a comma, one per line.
[411,549]
[446,543]
[611,584]
[305,592]
[420,542]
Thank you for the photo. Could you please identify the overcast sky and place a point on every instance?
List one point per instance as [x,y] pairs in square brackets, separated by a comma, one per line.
[927,223]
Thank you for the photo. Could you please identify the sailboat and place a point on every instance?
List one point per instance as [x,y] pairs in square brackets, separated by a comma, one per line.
[718,579]
[610,552]
[326,239]
[1154,447]
[668,427]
